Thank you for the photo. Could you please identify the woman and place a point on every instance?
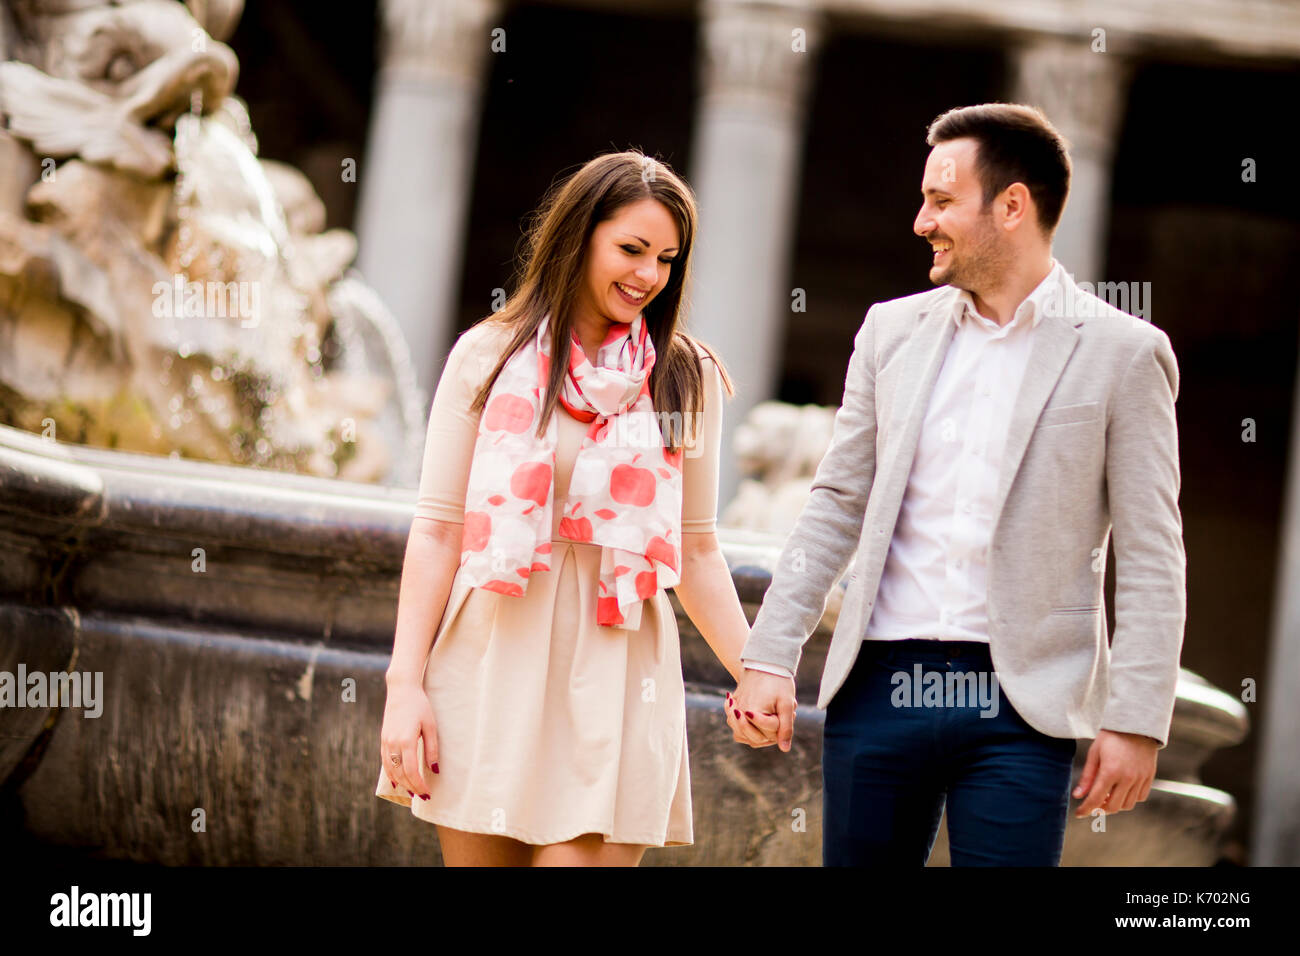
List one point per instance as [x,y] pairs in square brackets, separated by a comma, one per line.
[559,497]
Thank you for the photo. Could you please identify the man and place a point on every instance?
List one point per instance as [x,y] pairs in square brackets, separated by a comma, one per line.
[992,433]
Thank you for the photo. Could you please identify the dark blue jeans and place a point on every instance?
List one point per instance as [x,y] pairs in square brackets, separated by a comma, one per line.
[902,737]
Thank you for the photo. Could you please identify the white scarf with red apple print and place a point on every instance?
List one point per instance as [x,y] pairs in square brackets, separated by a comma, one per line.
[625,492]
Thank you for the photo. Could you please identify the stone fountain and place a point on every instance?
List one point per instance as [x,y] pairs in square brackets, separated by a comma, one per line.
[162,289]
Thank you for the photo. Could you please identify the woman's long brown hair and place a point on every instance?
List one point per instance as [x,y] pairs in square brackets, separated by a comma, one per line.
[550,274]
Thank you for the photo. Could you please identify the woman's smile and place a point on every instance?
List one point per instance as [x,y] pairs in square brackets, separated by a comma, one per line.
[631,294]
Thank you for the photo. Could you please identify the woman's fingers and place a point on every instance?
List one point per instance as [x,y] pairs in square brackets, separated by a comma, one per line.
[396,770]
[405,775]
[386,761]
[743,730]
[429,733]
[747,733]
[417,775]
[767,724]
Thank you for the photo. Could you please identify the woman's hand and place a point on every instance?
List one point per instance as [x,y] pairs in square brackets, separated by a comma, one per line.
[408,718]
[762,710]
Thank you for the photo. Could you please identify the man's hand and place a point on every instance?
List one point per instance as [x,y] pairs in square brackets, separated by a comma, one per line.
[761,712]
[1118,773]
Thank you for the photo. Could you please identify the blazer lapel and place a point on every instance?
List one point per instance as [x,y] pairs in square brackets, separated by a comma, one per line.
[1054,341]
[926,350]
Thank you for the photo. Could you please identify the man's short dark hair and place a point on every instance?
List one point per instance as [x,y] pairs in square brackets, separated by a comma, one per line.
[1017,144]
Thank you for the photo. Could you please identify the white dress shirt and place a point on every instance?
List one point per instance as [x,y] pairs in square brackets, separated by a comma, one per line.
[935,580]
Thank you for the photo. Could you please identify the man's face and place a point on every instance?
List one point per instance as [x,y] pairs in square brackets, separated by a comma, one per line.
[970,252]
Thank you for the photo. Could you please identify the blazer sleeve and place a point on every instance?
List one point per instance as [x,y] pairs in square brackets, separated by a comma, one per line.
[1142,480]
[825,537]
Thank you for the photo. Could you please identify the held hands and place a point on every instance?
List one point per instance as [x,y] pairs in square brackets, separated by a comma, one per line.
[1118,772]
[761,712]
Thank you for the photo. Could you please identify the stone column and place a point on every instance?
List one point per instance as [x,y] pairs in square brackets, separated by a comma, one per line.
[1082,92]
[417,171]
[1276,837]
[747,151]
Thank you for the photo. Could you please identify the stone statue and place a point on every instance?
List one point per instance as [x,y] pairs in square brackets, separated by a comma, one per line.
[779,446]
[163,290]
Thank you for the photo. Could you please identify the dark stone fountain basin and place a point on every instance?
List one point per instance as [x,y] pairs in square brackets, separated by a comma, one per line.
[241,623]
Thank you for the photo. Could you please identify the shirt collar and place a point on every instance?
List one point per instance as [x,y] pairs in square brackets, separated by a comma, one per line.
[1032,305]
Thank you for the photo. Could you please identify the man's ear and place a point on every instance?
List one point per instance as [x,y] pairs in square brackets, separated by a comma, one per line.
[1015,206]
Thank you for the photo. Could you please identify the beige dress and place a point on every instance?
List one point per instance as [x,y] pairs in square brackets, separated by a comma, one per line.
[550,725]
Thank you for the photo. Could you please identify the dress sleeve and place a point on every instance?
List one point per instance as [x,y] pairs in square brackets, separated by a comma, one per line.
[452,432]
[700,461]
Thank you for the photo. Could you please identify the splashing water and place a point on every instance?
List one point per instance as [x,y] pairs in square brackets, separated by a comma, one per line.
[234,245]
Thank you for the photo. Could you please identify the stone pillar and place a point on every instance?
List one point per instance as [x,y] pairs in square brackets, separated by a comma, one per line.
[1276,836]
[747,151]
[417,171]
[1082,92]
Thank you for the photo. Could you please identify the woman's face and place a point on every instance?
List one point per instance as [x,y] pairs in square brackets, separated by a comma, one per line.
[629,260]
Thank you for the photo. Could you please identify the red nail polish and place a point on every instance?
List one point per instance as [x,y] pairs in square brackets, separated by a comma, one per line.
[393,784]
[424,796]
[435,767]
[738,715]
[749,715]
[410,793]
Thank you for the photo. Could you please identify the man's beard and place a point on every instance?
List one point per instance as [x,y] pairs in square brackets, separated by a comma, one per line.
[983,265]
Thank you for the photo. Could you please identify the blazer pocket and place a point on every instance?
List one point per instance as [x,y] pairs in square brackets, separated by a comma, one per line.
[1070,414]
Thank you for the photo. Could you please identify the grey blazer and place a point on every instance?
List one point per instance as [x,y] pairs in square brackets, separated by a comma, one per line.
[1093,444]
